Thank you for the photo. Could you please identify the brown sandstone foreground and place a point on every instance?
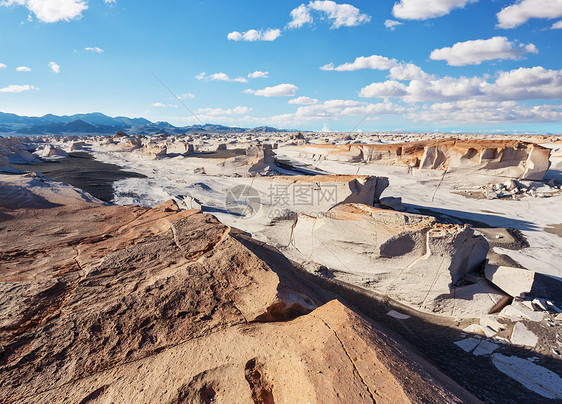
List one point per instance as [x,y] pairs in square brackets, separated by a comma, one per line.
[128,304]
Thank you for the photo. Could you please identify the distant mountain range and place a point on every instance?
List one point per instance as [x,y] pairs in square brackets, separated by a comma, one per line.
[98,123]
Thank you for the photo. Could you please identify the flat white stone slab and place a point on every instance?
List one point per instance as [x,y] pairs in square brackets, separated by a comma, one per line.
[399,316]
[514,281]
[518,310]
[536,378]
[522,336]
[485,348]
[467,344]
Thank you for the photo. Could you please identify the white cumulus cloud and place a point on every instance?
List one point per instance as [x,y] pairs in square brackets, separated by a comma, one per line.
[391,24]
[51,10]
[370,62]
[340,15]
[186,95]
[3,66]
[239,110]
[523,10]
[258,74]
[520,84]
[255,35]
[471,111]
[17,88]
[23,69]
[161,105]
[55,68]
[94,49]
[303,101]
[557,25]
[336,109]
[424,9]
[477,51]
[300,16]
[219,77]
[281,90]
[389,88]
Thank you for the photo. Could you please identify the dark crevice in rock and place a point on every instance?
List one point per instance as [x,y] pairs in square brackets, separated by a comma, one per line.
[262,391]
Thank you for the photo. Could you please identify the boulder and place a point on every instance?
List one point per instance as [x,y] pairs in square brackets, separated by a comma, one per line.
[155,150]
[50,152]
[514,281]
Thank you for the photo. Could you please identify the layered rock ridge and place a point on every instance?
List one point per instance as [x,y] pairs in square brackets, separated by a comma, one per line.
[501,158]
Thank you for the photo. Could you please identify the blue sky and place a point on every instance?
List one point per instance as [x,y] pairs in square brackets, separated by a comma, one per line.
[413,65]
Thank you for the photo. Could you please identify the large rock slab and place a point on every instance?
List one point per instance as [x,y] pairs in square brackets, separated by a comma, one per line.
[408,257]
[514,281]
[521,335]
[318,193]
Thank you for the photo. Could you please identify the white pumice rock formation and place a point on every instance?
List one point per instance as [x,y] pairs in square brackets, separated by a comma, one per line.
[408,257]
[49,152]
[499,158]
[514,281]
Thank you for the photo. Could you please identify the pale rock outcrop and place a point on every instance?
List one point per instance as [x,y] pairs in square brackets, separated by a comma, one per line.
[408,257]
[180,147]
[258,160]
[318,193]
[5,165]
[32,191]
[500,158]
[155,150]
[50,152]
[77,146]
[132,143]
[514,281]
[17,150]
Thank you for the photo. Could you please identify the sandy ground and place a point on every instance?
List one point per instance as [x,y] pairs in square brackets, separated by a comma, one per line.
[82,171]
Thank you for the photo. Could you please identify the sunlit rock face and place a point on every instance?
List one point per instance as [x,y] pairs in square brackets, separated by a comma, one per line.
[408,257]
[317,193]
[502,158]
[123,303]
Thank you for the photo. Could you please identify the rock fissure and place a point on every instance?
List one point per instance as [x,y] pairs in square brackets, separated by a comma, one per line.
[351,361]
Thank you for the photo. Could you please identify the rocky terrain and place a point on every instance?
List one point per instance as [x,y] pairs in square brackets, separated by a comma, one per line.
[256,237]
[112,303]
